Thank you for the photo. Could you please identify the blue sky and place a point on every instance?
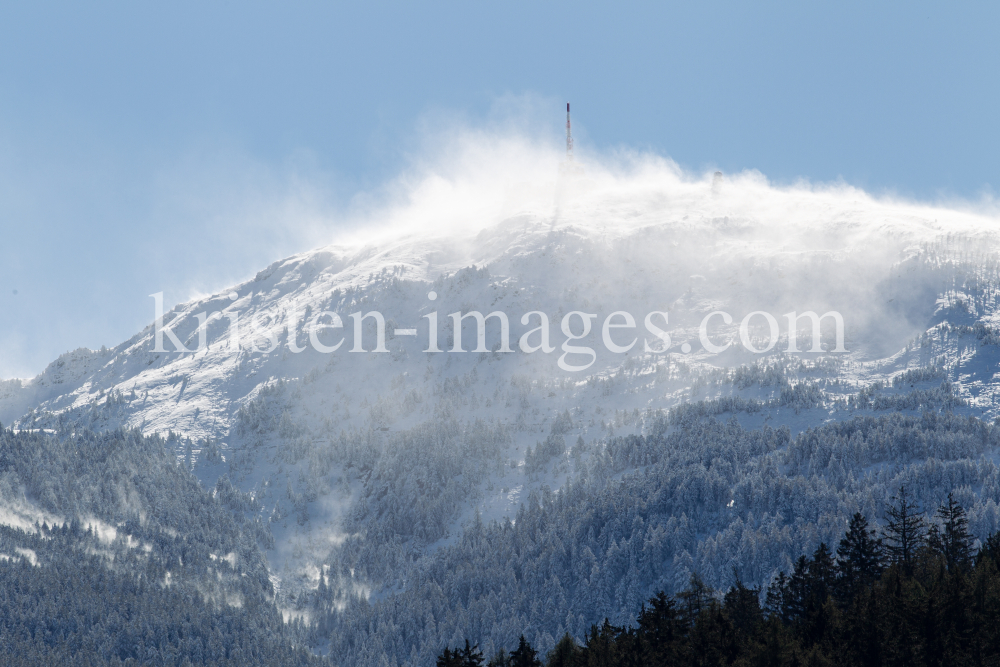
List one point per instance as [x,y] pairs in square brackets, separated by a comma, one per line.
[171,146]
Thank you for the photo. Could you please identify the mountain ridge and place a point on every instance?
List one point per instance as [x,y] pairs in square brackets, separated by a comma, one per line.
[368,467]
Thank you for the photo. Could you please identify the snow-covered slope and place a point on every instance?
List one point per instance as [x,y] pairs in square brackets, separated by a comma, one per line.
[642,242]
[306,432]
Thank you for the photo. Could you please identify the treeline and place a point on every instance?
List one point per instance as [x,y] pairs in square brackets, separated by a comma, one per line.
[642,514]
[917,592]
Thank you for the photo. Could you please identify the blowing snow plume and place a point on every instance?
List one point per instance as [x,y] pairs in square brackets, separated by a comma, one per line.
[713,274]
[507,334]
[636,226]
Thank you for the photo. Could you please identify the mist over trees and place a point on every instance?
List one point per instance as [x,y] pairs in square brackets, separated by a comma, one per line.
[111,553]
[696,495]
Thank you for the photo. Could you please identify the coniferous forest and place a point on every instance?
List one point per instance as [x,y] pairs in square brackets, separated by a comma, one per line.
[914,593]
[156,572]
[111,553]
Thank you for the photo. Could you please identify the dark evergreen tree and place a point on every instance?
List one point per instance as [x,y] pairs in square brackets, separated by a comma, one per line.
[661,627]
[859,558]
[564,654]
[807,591]
[600,649]
[822,573]
[774,601]
[953,541]
[471,656]
[742,607]
[990,549]
[905,530]
[797,592]
[694,599]
[524,655]
[449,658]
[930,617]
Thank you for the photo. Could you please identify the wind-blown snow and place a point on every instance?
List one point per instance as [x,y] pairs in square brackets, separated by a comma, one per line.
[639,236]
[513,229]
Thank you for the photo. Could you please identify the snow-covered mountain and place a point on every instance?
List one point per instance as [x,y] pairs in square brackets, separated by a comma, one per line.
[375,467]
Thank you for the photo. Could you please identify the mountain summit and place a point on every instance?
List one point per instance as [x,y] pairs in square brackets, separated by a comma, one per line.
[635,342]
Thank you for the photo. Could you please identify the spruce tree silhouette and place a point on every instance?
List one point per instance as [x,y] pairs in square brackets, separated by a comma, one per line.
[860,558]
[906,530]
[955,542]
[524,655]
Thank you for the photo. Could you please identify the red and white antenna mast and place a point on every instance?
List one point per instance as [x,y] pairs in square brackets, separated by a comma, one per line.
[569,136]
